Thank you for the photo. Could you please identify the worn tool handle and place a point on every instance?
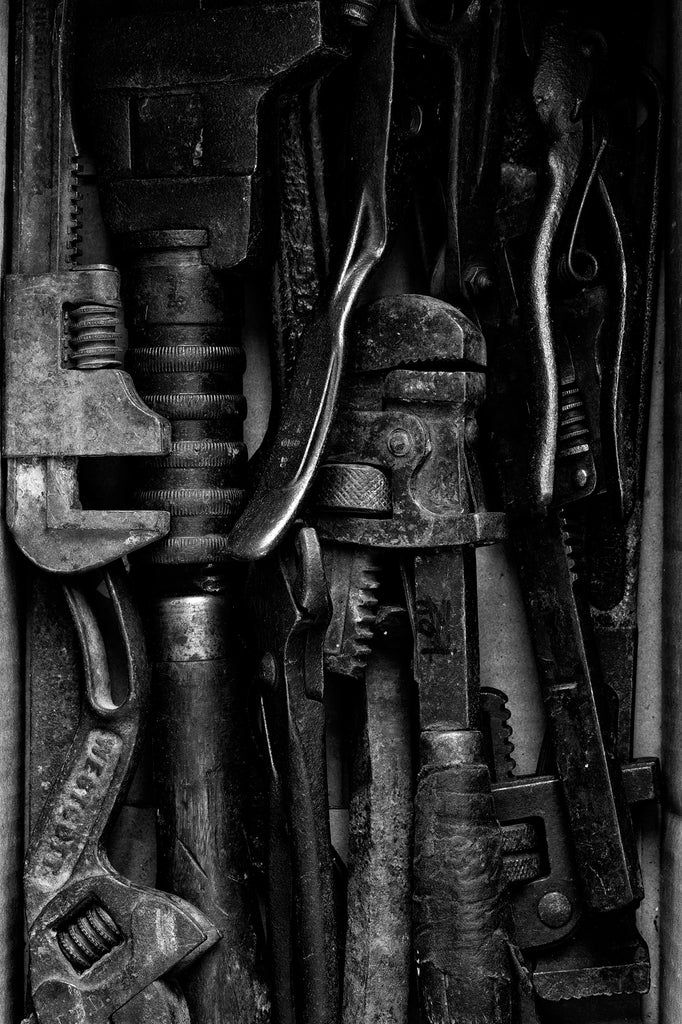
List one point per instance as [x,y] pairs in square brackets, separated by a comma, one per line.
[600,823]
[317,965]
[378,938]
[200,764]
[187,362]
[461,916]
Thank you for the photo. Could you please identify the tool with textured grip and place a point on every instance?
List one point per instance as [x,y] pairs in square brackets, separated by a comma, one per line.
[188,362]
[601,829]
[172,99]
[188,365]
[415,426]
[96,940]
[65,395]
[462,917]
[463,920]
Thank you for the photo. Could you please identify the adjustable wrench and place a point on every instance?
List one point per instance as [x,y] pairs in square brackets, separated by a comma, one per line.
[96,941]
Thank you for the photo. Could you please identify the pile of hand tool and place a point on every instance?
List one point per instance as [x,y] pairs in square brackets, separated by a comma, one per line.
[450,213]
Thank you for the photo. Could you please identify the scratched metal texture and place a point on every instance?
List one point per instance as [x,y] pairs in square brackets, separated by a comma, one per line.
[11,682]
[506,662]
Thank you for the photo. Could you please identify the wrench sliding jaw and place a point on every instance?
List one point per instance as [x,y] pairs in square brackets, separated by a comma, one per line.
[96,940]
[66,395]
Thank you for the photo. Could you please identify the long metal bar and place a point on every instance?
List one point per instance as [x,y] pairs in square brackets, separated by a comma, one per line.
[11,688]
[671,906]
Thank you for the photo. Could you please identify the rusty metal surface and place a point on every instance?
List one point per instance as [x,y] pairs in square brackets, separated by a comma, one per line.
[460,209]
[54,408]
[308,416]
[379,934]
[94,941]
[51,408]
[173,112]
[460,912]
[288,640]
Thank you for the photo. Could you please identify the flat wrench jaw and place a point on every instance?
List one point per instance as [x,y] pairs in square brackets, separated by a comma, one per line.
[102,940]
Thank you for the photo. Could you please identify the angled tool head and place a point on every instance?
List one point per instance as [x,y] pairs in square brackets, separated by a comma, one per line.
[95,939]
[309,413]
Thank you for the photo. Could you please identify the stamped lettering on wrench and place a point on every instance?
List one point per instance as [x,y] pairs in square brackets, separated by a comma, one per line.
[76,808]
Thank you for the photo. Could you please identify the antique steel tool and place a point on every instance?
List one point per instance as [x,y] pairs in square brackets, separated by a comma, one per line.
[381,828]
[671,912]
[66,397]
[511,155]
[570,471]
[286,597]
[173,101]
[65,394]
[96,941]
[400,475]
[307,417]
[572,956]
[600,826]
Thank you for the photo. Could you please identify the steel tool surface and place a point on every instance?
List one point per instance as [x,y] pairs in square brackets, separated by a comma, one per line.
[173,101]
[65,393]
[444,217]
[96,940]
[286,596]
[411,442]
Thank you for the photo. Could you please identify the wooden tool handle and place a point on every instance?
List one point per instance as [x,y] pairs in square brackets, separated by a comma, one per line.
[461,917]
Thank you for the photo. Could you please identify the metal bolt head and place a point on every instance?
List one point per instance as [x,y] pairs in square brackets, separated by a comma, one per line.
[580,477]
[399,443]
[477,278]
[267,671]
[359,13]
[555,909]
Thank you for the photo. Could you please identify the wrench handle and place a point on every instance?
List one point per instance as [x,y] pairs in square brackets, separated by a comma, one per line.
[200,765]
[461,917]
[378,939]
[187,363]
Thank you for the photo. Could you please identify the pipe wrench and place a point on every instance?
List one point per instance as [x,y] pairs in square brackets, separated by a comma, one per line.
[570,362]
[401,476]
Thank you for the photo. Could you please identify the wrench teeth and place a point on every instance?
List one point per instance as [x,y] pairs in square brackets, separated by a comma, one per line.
[87,938]
[353,577]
